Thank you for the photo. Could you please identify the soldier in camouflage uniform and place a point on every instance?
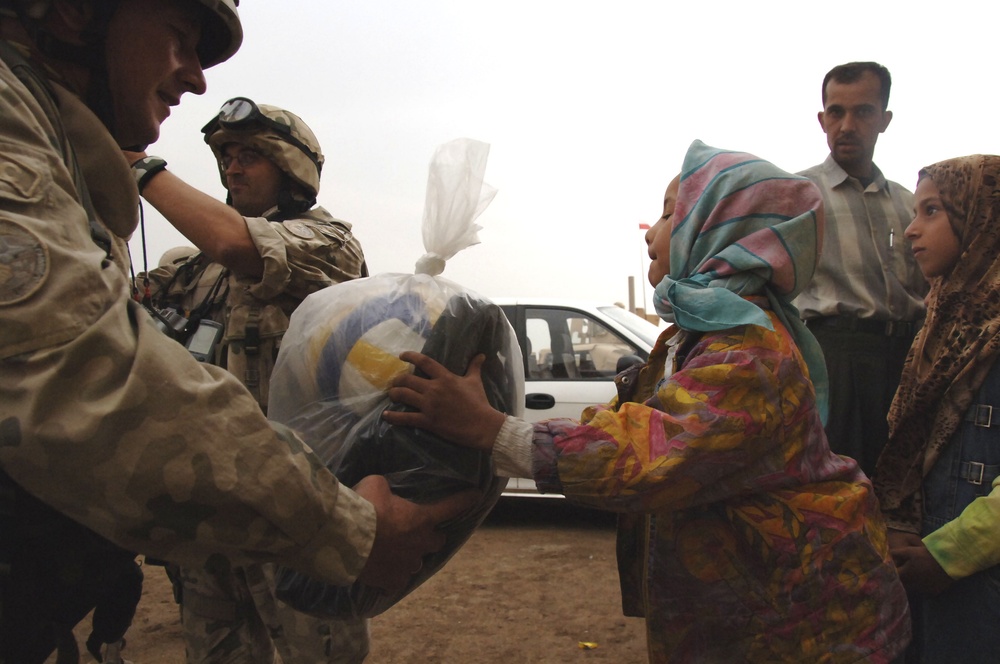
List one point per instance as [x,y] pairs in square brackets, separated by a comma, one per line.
[270,162]
[107,425]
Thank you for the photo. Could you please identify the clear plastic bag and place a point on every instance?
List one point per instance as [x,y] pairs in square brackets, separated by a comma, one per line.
[342,350]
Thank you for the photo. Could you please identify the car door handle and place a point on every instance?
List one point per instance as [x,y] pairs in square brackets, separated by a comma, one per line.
[539,401]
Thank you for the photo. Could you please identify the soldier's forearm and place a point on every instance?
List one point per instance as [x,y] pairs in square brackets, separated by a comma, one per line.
[213,227]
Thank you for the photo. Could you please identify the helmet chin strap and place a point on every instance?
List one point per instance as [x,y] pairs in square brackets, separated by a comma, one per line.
[100,100]
[92,54]
[289,205]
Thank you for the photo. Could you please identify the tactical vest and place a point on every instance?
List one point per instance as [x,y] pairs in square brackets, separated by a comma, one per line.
[253,327]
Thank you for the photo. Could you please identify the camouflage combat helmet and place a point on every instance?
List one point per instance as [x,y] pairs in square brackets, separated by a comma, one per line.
[279,135]
[221,34]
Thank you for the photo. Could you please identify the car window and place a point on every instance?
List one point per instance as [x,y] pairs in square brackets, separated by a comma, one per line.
[564,344]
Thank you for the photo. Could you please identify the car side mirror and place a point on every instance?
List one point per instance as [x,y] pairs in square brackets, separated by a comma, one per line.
[627,361]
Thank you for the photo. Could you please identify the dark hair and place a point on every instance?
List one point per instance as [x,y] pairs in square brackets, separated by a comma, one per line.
[853,71]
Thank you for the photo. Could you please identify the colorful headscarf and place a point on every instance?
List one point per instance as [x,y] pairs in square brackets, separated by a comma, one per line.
[742,227]
[958,344]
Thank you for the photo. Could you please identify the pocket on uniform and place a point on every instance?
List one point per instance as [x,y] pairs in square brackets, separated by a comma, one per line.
[24,176]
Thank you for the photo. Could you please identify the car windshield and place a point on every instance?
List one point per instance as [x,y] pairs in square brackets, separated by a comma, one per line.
[641,327]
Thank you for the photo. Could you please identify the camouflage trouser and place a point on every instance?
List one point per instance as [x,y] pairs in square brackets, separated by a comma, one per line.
[230,615]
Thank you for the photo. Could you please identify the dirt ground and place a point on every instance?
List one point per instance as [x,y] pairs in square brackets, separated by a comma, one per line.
[532,585]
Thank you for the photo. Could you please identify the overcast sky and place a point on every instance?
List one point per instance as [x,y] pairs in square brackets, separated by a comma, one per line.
[588,108]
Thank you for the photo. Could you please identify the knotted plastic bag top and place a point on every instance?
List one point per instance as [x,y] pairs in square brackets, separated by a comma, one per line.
[456,196]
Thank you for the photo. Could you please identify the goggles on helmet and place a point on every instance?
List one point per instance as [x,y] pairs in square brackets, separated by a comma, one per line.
[240,114]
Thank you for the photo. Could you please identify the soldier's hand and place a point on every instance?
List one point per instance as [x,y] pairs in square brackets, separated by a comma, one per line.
[405,532]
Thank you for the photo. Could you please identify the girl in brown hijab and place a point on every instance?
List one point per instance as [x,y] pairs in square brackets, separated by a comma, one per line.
[937,478]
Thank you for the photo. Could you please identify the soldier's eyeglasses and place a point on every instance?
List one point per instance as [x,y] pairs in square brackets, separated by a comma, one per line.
[240,114]
[245,158]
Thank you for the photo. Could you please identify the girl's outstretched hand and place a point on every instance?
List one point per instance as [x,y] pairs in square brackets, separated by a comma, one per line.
[448,405]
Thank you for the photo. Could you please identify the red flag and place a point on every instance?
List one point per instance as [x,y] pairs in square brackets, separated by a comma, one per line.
[643,227]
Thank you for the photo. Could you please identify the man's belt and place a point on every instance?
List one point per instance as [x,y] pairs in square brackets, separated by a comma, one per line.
[887,328]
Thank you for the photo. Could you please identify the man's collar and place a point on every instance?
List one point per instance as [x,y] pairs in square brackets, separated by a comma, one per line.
[837,176]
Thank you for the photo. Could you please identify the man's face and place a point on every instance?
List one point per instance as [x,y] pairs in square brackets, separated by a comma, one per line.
[252,179]
[151,62]
[852,120]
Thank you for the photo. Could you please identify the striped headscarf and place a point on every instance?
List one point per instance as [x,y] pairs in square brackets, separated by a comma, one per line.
[742,226]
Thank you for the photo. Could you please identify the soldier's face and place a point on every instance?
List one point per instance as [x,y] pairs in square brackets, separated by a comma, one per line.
[253,180]
[152,62]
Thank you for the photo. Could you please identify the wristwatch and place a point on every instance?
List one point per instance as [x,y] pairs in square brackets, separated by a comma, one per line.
[144,170]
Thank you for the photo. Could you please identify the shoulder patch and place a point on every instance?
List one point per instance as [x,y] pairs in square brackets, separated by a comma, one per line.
[299,229]
[24,263]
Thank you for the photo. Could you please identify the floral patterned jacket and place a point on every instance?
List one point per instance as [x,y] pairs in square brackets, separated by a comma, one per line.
[742,538]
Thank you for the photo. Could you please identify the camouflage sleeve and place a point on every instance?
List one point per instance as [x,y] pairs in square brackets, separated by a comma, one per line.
[301,256]
[117,426]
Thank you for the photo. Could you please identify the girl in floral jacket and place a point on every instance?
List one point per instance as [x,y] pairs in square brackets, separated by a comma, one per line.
[742,538]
